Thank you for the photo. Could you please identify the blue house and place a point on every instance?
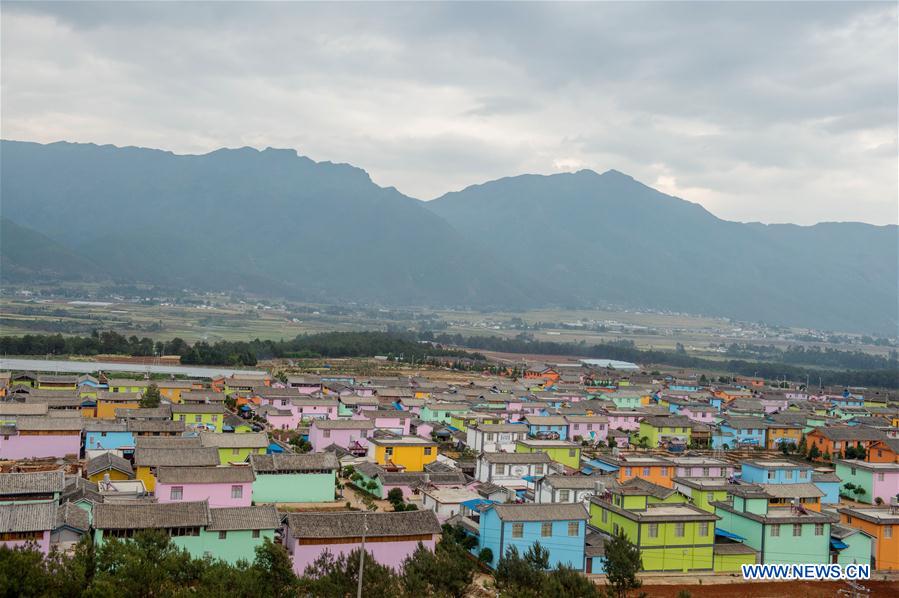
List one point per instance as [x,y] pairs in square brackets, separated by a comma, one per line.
[560,528]
[547,427]
[785,471]
[736,432]
[107,435]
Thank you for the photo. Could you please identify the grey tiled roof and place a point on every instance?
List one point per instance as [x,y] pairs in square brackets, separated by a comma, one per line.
[157,457]
[542,512]
[350,524]
[517,458]
[108,461]
[150,515]
[56,424]
[155,425]
[244,518]
[169,442]
[283,462]
[27,517]
[39,482]
[69,515]
[343,424]
[234,440]
[235,474]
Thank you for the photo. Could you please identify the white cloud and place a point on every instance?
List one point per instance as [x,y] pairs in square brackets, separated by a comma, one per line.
[759,111]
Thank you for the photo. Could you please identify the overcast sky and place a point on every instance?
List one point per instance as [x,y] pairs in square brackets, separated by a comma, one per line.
[765,112]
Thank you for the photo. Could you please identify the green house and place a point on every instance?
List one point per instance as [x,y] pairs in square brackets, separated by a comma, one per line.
[229,534]
[561,451]
[200,415]
[625,400]
[294,478]
[235,448]
[781,534]
[442,412]
[702,492]
[660,429]
[127,385]
[851,545]
[671,535]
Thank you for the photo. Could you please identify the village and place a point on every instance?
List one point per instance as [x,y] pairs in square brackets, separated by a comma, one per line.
[701,477]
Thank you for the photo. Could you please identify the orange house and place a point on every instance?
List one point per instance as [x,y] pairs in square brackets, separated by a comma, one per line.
[884,451]
[883,524]
[749,381]
[652,469]
[834,440]
[108,402]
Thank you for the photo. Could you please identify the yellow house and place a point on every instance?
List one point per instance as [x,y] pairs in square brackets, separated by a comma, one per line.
[409,452]
[148,460]
[108,402]
[235,448]
[172,389]
[783,434]
[111,465]
[127,384]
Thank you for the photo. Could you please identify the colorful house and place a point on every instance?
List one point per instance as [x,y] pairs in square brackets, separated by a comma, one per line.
[442,412]
[149,460]
[410,483]
[37,437]
[561,528]
[351,435]
[108,402]
[102,436]
[884,451]
[592,428]
[109,466]
[652,469]
[560,451]
[702,467]
[389,537]
[127,385]
[850,546]
[408,452]
[510,470]
[703,492]
[737,432]
[780,532]
[492,438]
[832,441]
[565,488]
[30,487]
[219,486]
[200,416]
[229,534]
[783,433]
[294,478]
[547,427]
[235,448]
[22,524]
[661,429]
[879,480]
[882,523]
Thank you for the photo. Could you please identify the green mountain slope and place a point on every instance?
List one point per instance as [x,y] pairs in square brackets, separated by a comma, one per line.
[27,255]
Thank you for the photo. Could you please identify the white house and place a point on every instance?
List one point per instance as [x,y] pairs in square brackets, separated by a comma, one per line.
[509,469]
[495,438]
[446,502]
[566,488]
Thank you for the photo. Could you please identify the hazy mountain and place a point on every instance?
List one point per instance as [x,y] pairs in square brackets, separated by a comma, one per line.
[610,238]
[264,220]
[27,255]
[278,223]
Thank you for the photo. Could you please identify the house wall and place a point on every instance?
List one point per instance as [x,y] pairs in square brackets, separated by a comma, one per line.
[390,553]
[218,495]
[106,409]
[298,487]
[668,552]
[108,440]
[18,446]
[342,438]
[238,455]
[413,458]
[563,549]
[886,550]
[657,474]
[860,549]
[861,477]
[237,545]
[42,545]
[724,563]
[114,474]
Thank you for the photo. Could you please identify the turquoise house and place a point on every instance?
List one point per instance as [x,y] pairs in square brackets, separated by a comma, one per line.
[293,477]
[560,528]
[230,534]
[850,546]
[781,534]
[442,412]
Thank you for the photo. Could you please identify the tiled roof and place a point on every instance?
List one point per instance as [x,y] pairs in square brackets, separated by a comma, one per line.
[243,518]
[287,462]
[245,440]
[171,442]
[179,457]
[351,524]
[108,461]
[517,458]
[542,512]
[150,515]
[50,423]
[571,482]
[27,517]
[39,482]
[70,515]
[155,425]
[205,475]
[343,424]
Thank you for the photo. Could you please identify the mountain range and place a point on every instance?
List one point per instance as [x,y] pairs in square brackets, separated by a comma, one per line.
[279,224]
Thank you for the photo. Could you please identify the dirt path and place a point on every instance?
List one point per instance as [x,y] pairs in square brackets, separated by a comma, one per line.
[774,589]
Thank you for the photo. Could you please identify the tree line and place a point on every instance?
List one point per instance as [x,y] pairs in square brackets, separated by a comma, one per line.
[150,565]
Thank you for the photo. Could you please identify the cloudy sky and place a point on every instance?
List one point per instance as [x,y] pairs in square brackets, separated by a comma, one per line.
[767,112]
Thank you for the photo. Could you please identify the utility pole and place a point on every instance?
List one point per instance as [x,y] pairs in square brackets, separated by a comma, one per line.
[362,553]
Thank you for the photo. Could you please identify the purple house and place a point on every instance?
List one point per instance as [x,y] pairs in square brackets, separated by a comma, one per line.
[349,434]
[230,486]
[36,437]
[625,420]
[390,537]
[22,524]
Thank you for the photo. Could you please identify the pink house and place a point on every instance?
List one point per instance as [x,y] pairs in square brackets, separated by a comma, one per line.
[350,434]
[594,428]
[37,437]
[230,486]
[625,420]
[395,421]
[24,524]
[701,467]
[278,418]
[308,408]
[704,414]
[305,385]
[390,537]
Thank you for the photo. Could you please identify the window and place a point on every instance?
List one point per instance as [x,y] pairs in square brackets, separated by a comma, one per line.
[255,533]
[709,496]
[880,477]
[223,535]
[775,530]
[646,471]
[797,529]
[577,426]
[198,418]
[327,433]
[705,471]
[572,452]
[538,469]
[500,469]
[853,470]
[614,528]
[235,451]
[517,530]
[605,516]
[237,491]
[574,528]
[564,495]
[627,471]
[388,451]
[788,474]
[653,530]
[679,529]
[819,529]
[176,493]
[664,471]
[770,475]
[703,528]
[215,418]
[428,450]
[801,475]
[546,529]
[489,437]
[888,531]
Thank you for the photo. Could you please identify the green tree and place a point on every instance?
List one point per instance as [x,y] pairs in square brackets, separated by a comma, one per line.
[151,397]
[337,577]
[22,572]
[566,581]
[814,453]
[622,563]
[145,566]
[395,496]
[446,572]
